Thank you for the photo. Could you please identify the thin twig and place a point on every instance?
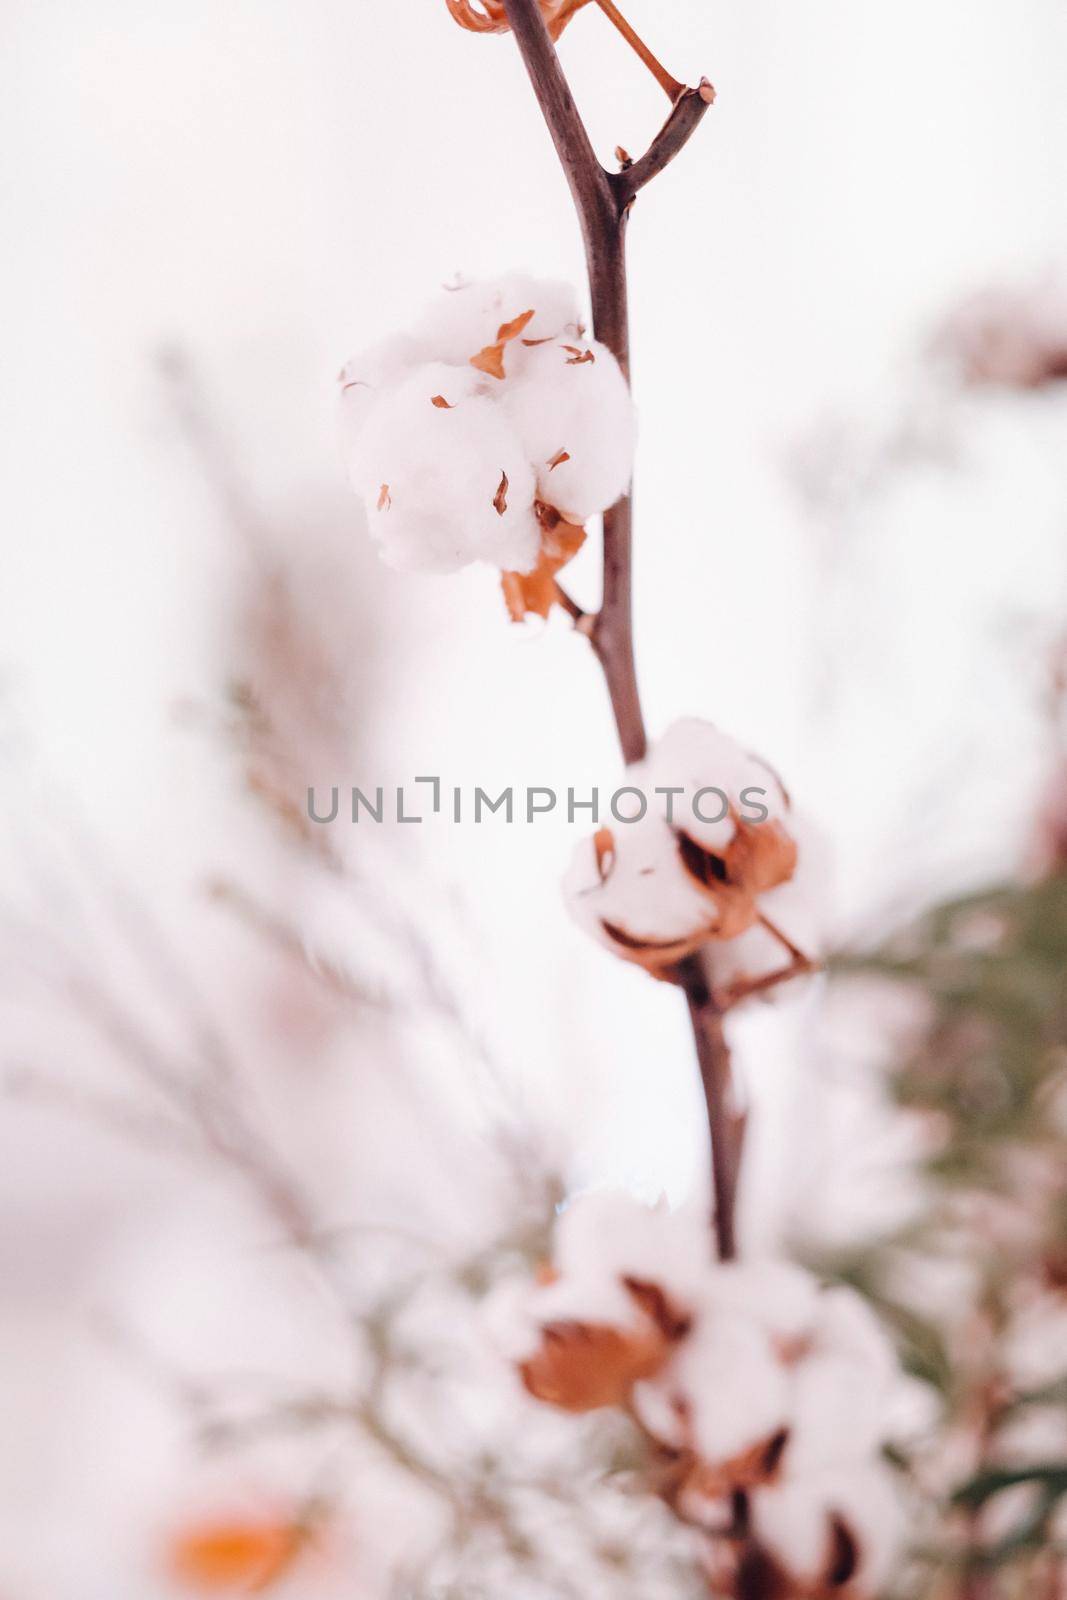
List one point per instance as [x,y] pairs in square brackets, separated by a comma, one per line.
[799,965]
[686,115]
[570,605]
[603,201]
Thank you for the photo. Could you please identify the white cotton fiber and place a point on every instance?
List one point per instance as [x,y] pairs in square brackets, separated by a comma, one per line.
[726,1381]
[640,887]
[778,1296]
[461,321]
[610,1233]
[795,1519]
[433,477]
[572,409]
[694,755]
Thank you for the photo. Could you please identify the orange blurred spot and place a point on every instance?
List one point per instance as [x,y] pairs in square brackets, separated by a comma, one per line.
[239,1557]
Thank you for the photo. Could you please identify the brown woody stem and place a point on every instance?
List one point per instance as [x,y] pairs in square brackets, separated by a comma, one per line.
[603,201]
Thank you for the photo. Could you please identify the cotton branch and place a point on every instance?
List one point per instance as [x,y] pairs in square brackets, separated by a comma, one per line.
[603,201]
[685,118]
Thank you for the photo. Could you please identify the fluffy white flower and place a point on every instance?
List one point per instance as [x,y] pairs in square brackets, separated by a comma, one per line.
[843,1388]
[606,1236]
[444,486]
[605,1243]
[693,866]
[780,1297]
[608,1309]
[492,407]
[458,322]
[839,1528]
[695,755]
[629,887]
[778,1378]
[724,1395]
[757,1377]
[582,467]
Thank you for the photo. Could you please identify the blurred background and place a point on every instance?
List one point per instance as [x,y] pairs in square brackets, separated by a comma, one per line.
[227,1044]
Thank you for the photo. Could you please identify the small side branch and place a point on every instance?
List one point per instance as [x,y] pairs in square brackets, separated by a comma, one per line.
[686,116]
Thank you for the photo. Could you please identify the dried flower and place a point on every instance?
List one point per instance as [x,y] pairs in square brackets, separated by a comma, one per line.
[490,16]
[583,1366]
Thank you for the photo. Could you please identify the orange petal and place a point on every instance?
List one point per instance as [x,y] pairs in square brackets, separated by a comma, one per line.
[385,499]
[511,330]
[440,402]
[558,459]
[490,360]
[583,1366]
[534,592]
[723,878]
[500,499]
[761,855]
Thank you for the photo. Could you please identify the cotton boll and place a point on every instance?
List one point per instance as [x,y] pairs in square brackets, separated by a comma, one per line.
[781,1299]
[445,485]
[608,1233]
[509,1320]
[573,411]
[599,1300]
[656,1404]
[687,874]
[833,1529]
[727,1383]
[363,378]
[458,483]
[635,895]
[839,1413]
[695,755]
[459,322]
[844,1385]
[848,1329]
